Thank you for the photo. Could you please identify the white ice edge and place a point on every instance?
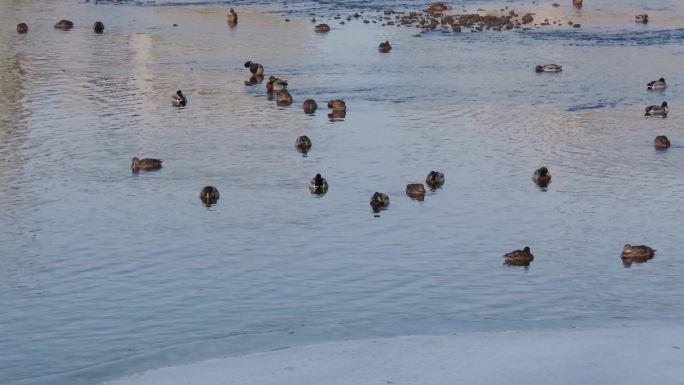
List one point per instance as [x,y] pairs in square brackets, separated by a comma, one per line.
[622,355]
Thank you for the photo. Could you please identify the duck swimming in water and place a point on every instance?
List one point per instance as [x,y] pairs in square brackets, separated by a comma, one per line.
[322,28]
[542,177]
[275,84]
[416,191]
[318,185]
[379,201]
[178,99]
[145,164]
[659,111]
[435,179]
[385,47]
[255,68]
[337,105]
[310,106]
[209,195]
[232,16]
[549,68]
[519,257]
[22,28]
[661,142]
[98,27]
[657,85]
[643,18]
[64,25]
[283,98]
[637,253]
[303,144]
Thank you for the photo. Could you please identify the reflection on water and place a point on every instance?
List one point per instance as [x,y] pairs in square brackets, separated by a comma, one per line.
[100,265]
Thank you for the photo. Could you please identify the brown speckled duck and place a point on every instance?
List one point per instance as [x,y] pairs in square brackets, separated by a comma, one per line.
[232,16]
[542,177]
[209,195]
[310,106]
[322,28]
[637,253]
[415,190]
[303,143]
[337,105]
[435,179]
[145,164]
[64,25]
[661,142]
[379,201]
[22,28]
[519,257]
[385,47]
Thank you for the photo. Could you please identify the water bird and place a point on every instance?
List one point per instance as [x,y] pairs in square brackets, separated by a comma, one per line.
[145,164]
[318,185]
[435,179]
[542,176]
[660,111]
[275,84]
[310,106]
[637,253]
[385,46]
[255,68]
[322,28]
[337,105]
[64,24]
[643,18]
[656,84]
[549,68]
[98,27]
[661,142]
[209,195]
[178,99]
[336,115]
[379,201]
[283,98]
[303,144]
[232,16]
[22,28]
[437,7]
[254,79]
[577,4]
[416,191]
[519,257]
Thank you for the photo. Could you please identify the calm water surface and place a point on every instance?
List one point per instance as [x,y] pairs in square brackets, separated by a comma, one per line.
[103,272]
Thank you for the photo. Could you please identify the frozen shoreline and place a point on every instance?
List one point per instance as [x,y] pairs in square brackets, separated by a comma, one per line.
[625,355]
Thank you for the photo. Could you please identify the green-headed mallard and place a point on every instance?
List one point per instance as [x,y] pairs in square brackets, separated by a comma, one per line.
[542,176]
[275,84]
[64,24]
[310,106]
[659,111]
[209,195]
[385,46]
[415,190]
[657,84]
[322,28]
[318,185]
[549,68]
[662,142]
[22,28]
[637,253]
[178,99]
[255,68]
[379,201]
[145,164]
[519,257]
[303,144]
[98,27]
[337,105]
[435,179]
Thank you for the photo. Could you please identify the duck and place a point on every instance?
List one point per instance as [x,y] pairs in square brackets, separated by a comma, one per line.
[209,195]
[98,27]
[275,84]
[255,68]
[283,98]
[385,46]
[549,68]
[303,144]
[310,106]
[145,164]
[337,105]
[577,4]
[660,111]
[519,257]
[661,142]
[437,7]
[656,84]
[637,253]
[318,185]
[322,28]
[435,179]
[64,24]
[542,176]
[379,201]
[178,99]
[415,190]
[22,28]
[254,79]
[643,18]
[336,115]
[232,16]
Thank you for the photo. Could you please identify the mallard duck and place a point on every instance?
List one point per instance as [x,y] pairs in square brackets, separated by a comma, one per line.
[98,27]
[255,68]
[232,16]
[337,105]
[660,111]
[318,185]
[283,98]
[577,3]
[643,18]
[415,190]
[303,143]
[145,164]
[379,201]
[209,195]
[519,257]
[549,68]
[435,179]
[178,99]
[64,24]
[385,46]
[336,115]
[662,142]
[310,106]
[637,253]
[656,84]
[275,84]
[22,28]
[542,176]
[437,7]
[322,28]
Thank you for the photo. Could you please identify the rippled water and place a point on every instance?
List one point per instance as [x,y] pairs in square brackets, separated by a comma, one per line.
[104,272]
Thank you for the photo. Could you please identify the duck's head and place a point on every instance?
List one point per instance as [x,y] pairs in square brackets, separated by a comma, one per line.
[318,180]
[539,68]
[543,171]
[526,249]
[664,104]
[247,64]
[272,79]
[627,248]
[98,27]
[135,161]
[662,80]
[180,94]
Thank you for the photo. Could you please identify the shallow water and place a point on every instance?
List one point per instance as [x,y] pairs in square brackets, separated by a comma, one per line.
[103,271]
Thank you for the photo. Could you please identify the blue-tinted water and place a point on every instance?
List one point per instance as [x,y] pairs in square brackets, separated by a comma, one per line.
[103,272]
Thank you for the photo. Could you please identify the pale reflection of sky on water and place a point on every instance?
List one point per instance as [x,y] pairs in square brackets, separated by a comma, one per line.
[103,272]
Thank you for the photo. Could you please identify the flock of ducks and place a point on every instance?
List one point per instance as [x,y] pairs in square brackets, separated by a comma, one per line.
[209,195]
